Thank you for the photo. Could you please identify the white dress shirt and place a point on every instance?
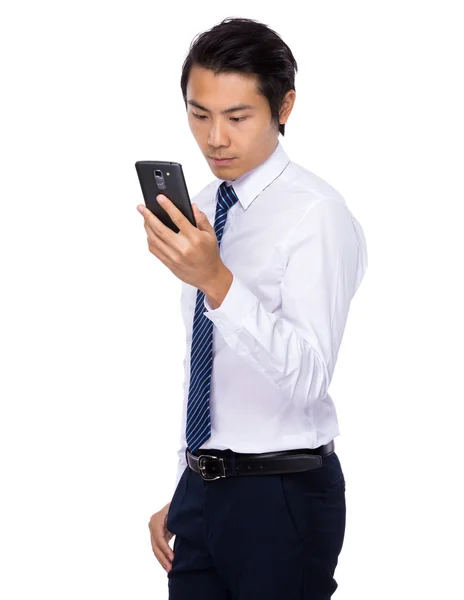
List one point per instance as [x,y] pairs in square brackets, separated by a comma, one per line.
[298,256]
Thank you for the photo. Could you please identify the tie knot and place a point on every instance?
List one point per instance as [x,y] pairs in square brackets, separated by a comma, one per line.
[226,196]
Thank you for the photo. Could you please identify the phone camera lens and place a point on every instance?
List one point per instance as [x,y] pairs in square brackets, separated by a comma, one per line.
[158,173]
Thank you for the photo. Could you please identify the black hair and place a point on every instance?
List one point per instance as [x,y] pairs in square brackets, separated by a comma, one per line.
[238,45]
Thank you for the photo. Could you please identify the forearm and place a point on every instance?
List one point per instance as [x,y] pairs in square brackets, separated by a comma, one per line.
[217,289]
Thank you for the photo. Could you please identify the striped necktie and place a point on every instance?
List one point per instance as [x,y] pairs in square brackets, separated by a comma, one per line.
[198,426]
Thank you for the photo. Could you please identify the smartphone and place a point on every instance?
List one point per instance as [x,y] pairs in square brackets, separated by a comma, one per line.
[167,178]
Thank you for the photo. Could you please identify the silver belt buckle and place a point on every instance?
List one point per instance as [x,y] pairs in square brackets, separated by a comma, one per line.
[201,465]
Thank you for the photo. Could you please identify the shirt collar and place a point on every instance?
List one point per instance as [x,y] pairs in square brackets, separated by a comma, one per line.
[248,186]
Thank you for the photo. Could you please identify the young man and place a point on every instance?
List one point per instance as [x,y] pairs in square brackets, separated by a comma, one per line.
[268,276]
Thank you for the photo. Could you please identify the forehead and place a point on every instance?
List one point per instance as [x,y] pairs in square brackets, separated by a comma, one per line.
[204,84]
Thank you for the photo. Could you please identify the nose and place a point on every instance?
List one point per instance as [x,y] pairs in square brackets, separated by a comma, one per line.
[218,135]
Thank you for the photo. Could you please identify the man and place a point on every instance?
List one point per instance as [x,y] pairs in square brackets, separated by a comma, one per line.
[259,505]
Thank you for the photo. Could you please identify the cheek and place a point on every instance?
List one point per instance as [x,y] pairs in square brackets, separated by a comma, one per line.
[252,129]
[196,128]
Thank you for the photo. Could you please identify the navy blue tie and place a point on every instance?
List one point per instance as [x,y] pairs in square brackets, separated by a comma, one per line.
[198,426]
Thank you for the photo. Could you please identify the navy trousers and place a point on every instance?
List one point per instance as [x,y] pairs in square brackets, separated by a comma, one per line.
[257,537]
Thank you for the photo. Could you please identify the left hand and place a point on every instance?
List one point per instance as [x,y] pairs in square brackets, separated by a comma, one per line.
[192,254]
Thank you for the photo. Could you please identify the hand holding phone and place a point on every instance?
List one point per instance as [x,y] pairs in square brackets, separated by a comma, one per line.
[167,178]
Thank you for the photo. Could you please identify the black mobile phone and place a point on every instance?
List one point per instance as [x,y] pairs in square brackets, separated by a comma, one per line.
[167,178]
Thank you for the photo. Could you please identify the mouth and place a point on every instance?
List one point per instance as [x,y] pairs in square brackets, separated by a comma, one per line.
[221,161]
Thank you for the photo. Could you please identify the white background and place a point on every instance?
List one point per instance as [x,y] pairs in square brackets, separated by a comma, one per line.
[92,341]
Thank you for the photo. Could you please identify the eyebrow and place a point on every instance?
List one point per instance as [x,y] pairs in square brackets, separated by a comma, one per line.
[223,112]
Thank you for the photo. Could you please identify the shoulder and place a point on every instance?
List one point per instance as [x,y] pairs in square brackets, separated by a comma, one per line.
[304,182]
[317,207]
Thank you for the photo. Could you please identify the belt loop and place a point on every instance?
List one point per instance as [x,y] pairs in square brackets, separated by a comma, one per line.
[233,466]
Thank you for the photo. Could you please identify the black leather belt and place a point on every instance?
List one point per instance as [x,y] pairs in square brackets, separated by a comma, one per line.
[213,464]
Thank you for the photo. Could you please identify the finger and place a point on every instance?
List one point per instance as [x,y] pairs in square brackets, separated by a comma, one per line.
[154,224]
[148,227]
[157,531]
[164,560]
[156,243]
[160,533]
[171,552]
[177,217]
[162,230]
[161,249]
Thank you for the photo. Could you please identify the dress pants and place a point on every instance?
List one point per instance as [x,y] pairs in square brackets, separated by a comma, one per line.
[257,537]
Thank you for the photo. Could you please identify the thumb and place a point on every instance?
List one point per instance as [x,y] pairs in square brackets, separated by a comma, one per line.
[201,219]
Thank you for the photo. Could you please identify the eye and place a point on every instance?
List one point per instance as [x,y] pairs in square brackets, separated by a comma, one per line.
[234,119]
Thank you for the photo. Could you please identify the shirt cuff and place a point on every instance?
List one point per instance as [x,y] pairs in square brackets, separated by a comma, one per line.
[237,303]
